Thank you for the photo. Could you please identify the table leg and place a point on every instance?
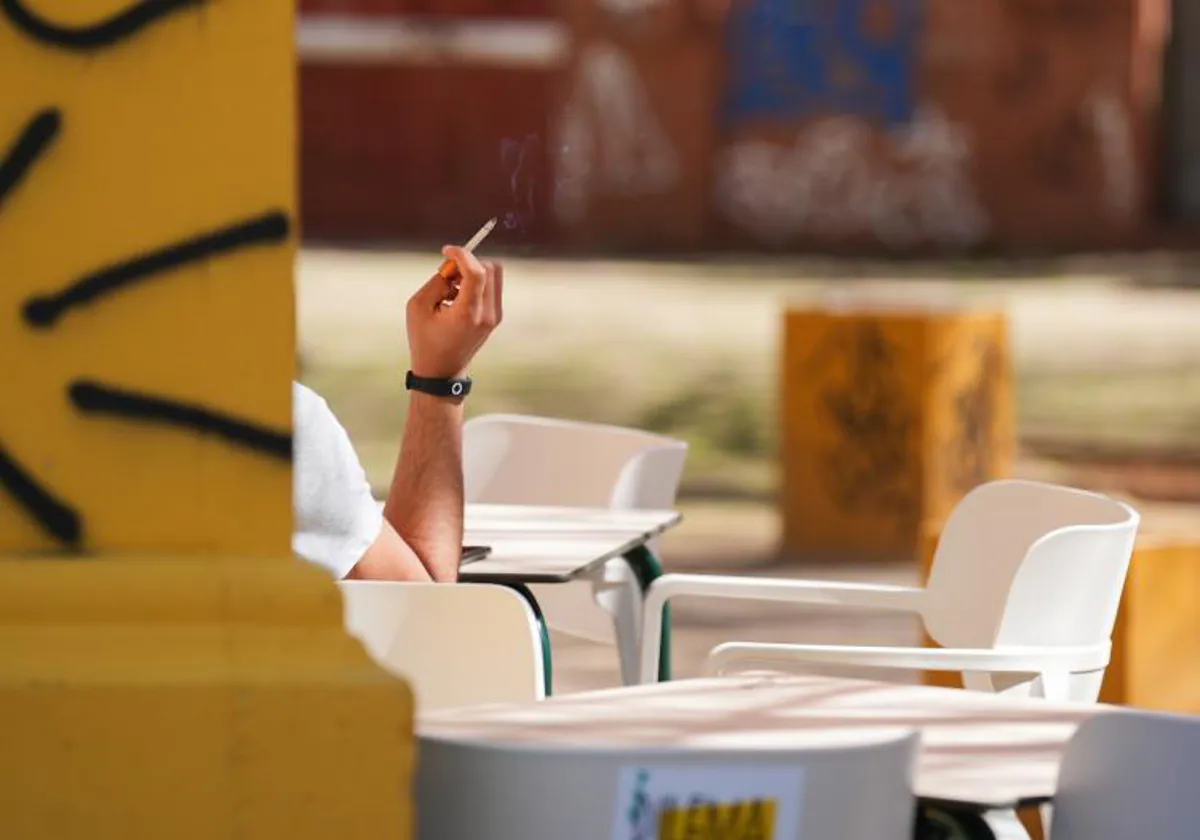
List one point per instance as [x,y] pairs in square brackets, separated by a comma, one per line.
[647,569]
[940,823]
[524,591]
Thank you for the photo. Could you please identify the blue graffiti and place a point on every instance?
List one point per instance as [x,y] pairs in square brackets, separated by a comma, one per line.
[790,59]
[642,817]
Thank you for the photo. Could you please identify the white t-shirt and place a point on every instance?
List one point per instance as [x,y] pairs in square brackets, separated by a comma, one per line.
[336,517]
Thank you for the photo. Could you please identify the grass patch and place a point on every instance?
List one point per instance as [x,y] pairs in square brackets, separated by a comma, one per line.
[729,420]
[691,351]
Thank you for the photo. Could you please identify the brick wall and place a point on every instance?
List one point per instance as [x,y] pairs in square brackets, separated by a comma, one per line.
[401,142]
[677,125]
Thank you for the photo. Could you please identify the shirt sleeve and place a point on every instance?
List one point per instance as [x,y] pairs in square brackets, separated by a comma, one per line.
[336,517]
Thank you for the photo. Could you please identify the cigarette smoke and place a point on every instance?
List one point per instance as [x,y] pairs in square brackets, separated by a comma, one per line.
[519,160]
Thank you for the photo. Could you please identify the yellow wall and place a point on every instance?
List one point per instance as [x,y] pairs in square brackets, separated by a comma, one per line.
[186,677]
[1156,642]
[183,128]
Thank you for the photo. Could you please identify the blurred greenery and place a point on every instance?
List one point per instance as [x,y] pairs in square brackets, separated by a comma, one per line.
[727,420]
[730,421]
[1096,362]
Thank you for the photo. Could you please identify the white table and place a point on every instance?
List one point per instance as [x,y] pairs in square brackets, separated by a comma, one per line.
[545,544]
[535,544]
[978,751]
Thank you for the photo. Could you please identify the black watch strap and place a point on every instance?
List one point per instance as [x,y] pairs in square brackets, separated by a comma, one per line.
[438,387]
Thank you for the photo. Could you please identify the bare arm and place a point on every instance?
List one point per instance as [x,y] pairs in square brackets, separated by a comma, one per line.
[423,515]
[425,503]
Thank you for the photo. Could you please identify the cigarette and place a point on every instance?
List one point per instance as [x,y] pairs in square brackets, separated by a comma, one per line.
[448,269]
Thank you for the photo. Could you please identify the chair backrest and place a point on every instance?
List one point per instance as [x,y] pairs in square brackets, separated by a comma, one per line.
[1130,775]
[458,645]
[849,792]
[521,460]
[1027,563]
[517,459]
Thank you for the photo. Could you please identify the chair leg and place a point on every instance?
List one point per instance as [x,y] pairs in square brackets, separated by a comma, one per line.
[646,567]
[937,823]
[1006,825]
[616,590]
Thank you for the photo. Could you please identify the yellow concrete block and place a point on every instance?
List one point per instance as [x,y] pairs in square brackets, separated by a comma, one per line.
[888,417]
[147,215]
[193,698]
[1156,642]
[182,130]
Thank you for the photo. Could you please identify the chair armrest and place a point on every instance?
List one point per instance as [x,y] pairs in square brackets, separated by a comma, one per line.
[1002,660]
[819,593]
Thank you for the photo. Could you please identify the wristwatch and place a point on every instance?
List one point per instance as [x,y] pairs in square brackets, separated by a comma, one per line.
[454,388]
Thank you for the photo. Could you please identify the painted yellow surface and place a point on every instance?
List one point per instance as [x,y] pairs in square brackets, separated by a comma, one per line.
[185,127]
[190,697]
[888,416]
[749,820]
[1156,642]
[176,673]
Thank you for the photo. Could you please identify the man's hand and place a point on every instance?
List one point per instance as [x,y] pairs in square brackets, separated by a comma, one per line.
[445,328]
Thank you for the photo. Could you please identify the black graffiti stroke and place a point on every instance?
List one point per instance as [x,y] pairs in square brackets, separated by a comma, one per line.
[57,518]
[105,33]
[44,311]
[31,144]
[100,398]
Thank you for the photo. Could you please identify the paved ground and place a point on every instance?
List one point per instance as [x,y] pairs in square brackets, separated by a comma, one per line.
[700,625]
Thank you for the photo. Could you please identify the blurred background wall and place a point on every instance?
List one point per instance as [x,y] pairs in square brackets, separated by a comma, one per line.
[924,126]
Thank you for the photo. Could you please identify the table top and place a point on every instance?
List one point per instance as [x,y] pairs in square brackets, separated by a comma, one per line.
[977,749]
[533,544]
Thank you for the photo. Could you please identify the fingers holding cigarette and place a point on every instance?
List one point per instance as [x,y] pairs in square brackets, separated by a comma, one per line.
[452,269]
[471,277]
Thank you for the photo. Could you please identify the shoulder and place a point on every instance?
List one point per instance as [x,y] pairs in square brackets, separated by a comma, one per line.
[336,516]
[308,406]
[317,431]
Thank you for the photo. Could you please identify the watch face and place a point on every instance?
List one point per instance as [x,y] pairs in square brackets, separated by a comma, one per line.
[146,250]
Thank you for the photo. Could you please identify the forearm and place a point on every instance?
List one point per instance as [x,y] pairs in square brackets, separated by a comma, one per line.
[425,500]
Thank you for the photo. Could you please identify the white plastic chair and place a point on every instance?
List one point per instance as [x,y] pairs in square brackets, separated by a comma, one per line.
[457,645]
[1130,775]
[522,460]
[552,792]
[1022,596]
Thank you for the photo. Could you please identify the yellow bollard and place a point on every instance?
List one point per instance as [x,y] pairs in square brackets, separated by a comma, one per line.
[167,669]
[888,417]
[1156,642]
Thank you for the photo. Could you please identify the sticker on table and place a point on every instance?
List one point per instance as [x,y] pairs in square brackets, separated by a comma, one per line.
[686,802]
